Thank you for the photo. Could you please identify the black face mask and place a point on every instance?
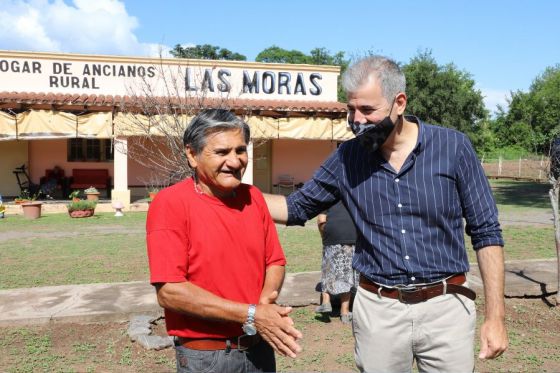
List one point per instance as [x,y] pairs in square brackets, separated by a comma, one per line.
[372,135]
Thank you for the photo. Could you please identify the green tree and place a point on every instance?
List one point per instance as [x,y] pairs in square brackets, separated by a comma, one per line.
[545,99]
[443,95]
[512,128]
[206,52]
[483,138]
[322,56]
[317,56]
[532,120]
[275,54]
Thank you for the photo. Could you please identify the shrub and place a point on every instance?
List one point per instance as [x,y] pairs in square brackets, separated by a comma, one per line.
[81,205]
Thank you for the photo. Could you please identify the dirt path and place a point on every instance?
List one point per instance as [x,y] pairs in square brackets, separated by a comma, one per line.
[535,217]
[85,230]
[539,218]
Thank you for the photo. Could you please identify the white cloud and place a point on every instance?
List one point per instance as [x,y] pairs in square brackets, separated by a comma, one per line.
[495,97]
[81,26]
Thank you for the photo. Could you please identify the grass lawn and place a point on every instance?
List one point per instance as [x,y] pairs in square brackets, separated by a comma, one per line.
[524,243]
[58,250]
[520,196]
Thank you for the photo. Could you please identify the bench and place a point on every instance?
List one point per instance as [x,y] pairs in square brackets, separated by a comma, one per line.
[85,178]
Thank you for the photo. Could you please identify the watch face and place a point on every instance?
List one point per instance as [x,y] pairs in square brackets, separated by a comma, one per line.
[249,329]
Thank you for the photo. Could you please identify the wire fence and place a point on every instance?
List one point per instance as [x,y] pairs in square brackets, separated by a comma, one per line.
[522,168]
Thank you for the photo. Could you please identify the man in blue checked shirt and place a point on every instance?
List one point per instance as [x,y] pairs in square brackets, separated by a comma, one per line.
[408,186]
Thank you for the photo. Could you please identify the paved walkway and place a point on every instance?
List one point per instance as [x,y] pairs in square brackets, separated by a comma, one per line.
[119,301]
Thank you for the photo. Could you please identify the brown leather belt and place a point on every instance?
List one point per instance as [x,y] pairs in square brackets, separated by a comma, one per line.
[417,294]
[242,343]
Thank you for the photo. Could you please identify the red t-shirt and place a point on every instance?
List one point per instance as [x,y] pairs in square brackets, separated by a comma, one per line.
[223,246]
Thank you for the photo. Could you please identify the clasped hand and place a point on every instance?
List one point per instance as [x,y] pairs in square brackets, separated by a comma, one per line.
[277,328]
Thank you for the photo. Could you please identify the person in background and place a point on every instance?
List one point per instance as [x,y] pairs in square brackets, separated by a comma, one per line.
[337,275]
[52,181]
[215,258]
[412,189]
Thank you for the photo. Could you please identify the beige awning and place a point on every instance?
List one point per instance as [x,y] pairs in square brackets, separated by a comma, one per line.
[299,128]
[341,131]
[124,123]
[42,124]
[127,124]
[305,128]
[45,124]
[95,125]
[8,130]
[263,127]
[48,124]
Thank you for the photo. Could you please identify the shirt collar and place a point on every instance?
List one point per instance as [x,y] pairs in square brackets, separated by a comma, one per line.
[421,133]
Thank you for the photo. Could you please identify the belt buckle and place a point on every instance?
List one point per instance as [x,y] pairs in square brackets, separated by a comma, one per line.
[405,290]
[240,347]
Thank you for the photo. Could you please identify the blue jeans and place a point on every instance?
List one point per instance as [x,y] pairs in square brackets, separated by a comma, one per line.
[257,359]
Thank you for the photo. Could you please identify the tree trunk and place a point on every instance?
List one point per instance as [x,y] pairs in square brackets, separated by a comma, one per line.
[554,200]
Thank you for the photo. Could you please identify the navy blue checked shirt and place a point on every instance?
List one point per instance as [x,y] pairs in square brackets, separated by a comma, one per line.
[410,223]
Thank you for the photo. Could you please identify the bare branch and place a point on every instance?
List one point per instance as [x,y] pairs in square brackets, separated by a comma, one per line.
[155,118]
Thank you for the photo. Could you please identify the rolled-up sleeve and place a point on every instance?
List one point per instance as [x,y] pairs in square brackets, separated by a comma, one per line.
[479,208]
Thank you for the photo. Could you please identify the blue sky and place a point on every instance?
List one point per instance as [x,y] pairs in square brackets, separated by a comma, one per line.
[503,44]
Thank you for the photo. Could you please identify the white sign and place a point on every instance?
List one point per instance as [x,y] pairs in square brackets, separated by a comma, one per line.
[80,74]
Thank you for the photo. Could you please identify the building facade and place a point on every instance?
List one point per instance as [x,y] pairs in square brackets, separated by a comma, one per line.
[88,112]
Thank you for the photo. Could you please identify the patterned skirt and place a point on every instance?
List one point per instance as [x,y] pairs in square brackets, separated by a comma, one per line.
[337,275]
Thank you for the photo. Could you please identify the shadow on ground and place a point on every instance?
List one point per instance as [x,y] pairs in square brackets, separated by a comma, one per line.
[521,193]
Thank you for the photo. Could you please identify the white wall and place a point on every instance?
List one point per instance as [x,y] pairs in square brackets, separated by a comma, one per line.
[12,154]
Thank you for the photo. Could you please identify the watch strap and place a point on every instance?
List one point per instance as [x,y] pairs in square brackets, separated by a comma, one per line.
[251,314]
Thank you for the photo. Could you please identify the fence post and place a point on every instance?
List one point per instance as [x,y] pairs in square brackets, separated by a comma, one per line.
[500,166]
[519,173]
[541,167]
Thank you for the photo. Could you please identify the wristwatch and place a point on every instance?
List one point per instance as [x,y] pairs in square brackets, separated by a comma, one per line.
[249,327]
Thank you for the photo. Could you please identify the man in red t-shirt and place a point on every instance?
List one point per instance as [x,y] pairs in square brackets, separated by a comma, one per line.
[215,258]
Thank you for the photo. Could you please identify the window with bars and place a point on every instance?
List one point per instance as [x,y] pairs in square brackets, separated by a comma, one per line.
[90,150]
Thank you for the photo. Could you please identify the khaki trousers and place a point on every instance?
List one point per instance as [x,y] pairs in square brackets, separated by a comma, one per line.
[437,333]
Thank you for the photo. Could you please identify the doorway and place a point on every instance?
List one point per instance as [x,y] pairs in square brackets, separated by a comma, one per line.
[261,165]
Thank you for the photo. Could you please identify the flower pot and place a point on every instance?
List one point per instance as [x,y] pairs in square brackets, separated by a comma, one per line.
[81,213]
[92,196]
[75,199]
[152,195]
[32,210]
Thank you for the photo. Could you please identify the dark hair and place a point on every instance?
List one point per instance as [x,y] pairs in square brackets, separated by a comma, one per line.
[210,121]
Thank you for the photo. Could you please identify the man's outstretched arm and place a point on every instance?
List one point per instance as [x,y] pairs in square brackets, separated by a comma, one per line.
[278,207]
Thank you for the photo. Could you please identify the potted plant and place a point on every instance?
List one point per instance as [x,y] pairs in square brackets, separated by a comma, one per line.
[31,208]
[81,208]
[23,197]
[92,194]
[75,196]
